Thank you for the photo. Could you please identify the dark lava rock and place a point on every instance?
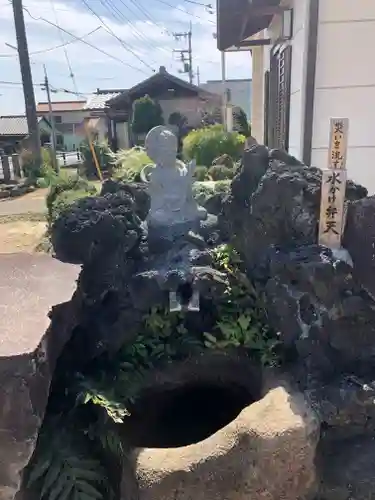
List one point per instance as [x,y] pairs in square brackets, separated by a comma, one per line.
[94,225]
[359,239]
[275,204]
[185,264]
[347,469]
[137,190]
[345,407]
[283,157]
[31,286]
[321,313]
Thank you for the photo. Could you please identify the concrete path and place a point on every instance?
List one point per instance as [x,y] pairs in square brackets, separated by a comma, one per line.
[30,203]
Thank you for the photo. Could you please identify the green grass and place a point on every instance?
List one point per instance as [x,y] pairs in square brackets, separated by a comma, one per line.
[29,216]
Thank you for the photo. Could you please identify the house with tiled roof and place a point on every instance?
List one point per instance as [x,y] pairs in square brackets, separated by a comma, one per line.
[68,116]
[14,132]
[97,122]
[74,118]
[174,96]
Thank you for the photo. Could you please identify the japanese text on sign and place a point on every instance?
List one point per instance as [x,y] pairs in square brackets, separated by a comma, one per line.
[339,128]
[332,208]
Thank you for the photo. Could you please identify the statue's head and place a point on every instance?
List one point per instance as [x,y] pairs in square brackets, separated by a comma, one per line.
[161,146]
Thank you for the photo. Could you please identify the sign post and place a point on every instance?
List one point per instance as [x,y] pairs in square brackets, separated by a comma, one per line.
[332,205]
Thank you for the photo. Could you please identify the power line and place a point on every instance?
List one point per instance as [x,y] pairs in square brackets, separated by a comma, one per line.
[115,11]
[148,15]
[184,11]
[71,74]
[19,83]
[83,41]
[111,32]
[208,6]
[119,15]
[55,47]
[94,47]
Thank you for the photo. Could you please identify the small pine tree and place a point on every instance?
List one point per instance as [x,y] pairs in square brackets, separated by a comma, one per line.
[240,123]
[147,114]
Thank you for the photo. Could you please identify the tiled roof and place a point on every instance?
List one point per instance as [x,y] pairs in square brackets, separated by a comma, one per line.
[98,101]
[60,106]
[14,125]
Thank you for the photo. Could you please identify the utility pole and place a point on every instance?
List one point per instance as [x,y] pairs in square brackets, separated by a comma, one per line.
[187,64]
[55,164]
[27,81]
[198,76]
[224,90]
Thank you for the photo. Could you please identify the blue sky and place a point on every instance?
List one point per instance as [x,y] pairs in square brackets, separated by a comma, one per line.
[145,28]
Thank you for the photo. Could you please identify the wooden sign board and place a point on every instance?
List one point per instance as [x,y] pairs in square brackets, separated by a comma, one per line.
[332,205]
[332,208]
[338,143]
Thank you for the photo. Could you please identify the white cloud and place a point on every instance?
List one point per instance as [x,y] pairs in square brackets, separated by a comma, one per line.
[151,42]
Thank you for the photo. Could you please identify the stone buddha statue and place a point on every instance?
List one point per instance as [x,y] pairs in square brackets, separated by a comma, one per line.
[170,185]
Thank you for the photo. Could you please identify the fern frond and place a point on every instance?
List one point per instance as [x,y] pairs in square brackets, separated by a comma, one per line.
[63,468]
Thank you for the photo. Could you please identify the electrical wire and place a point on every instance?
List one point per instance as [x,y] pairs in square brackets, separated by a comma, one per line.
[142,37]
[111,32]
[208,6]
[148,15]
[71,74]
[115,11]
[56,46]
[20,83]
[184,11]
[83,41]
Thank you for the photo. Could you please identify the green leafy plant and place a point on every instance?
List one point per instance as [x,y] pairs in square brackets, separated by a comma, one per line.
[208,143]
[242,313]
[147,114]
[128,163]
[63,192]
[200,173]
[220,173]
[34,170]
[163,339]
[62,467]
[103,155]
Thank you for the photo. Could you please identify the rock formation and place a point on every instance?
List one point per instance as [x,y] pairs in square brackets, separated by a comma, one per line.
[263,388]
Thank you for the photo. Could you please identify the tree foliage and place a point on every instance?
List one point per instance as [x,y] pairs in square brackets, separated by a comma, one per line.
[240,122]
[147,113]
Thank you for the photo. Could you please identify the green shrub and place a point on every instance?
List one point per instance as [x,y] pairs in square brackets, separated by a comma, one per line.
[63,192]
[208,143]
[42,183]
[200,173]
[220,173]
[128,163]
[147,114]
[203,191]
[31,168]
[103,155]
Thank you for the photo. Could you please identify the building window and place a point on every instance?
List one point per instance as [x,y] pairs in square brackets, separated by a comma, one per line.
[60,141]
[279,97]
[58,118]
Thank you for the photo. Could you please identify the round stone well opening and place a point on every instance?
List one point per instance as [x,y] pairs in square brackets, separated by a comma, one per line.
[189,410]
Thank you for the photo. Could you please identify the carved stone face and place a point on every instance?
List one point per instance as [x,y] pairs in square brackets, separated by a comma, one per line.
[161,146]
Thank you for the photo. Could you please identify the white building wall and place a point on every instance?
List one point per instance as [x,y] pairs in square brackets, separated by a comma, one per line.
[345,84]
[298,76]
